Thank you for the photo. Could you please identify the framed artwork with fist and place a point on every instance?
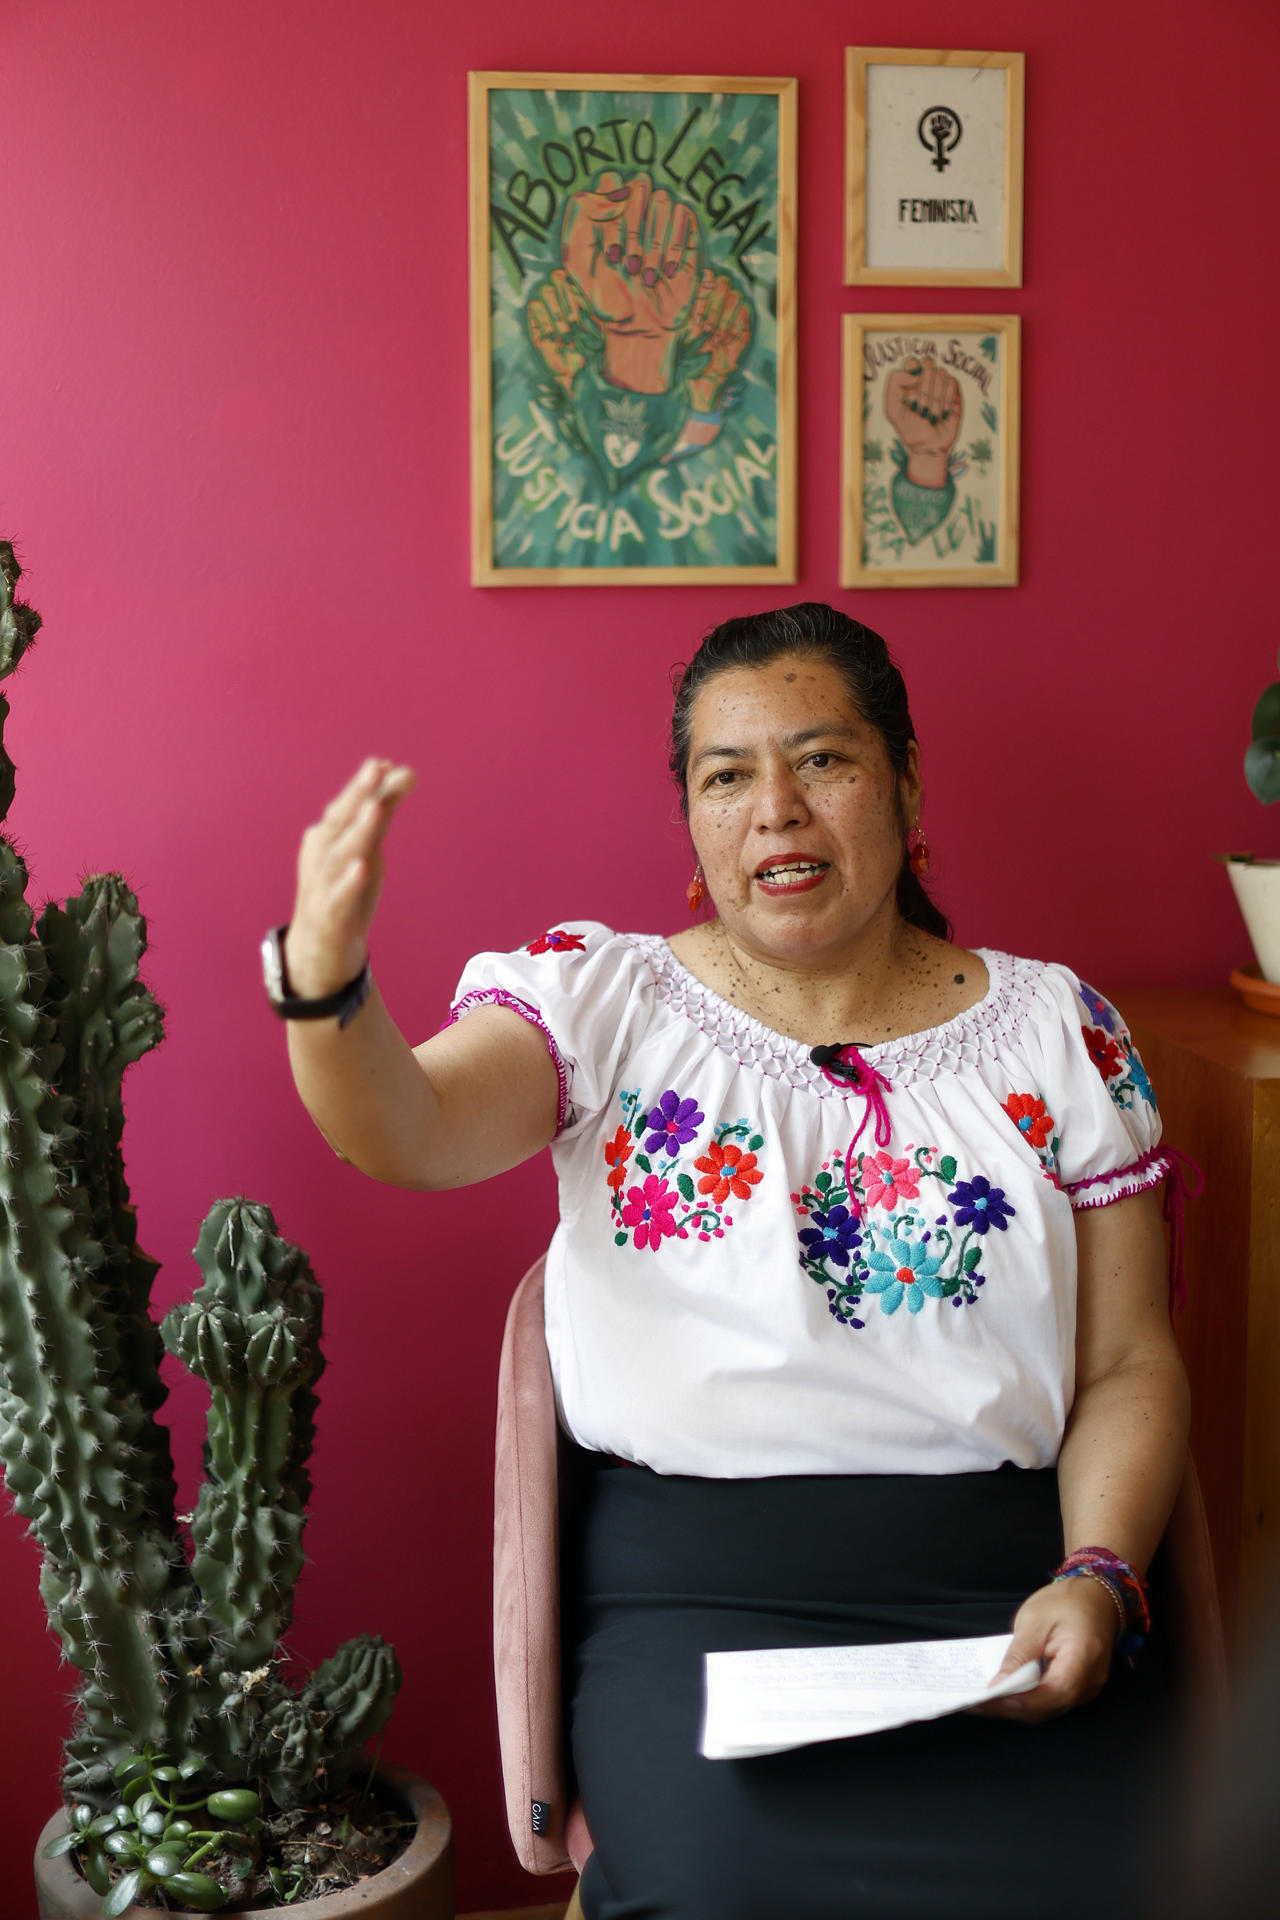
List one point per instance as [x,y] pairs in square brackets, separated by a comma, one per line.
[929,481]
[933,168]
[632,329]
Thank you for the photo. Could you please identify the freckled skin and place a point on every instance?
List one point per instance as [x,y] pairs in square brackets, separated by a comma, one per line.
[781,763]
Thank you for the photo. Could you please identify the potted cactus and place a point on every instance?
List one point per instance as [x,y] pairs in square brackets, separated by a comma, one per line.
[189,1746]
[1257,882]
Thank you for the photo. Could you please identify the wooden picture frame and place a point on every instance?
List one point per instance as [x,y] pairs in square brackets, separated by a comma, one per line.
[632,329]
[930,436]
[933,168]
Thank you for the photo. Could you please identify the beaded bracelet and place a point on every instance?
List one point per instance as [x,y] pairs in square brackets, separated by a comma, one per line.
[1091,1573]
[1124,1583]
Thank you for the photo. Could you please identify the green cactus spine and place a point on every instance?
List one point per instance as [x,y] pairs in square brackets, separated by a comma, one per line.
[174,1653]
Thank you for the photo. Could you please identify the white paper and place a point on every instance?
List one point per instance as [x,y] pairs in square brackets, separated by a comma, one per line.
[772,1698]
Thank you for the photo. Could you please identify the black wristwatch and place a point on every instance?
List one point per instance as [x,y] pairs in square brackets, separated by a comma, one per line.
[346,1002]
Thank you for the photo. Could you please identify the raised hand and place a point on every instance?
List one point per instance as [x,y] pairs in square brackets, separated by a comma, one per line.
[554,315]
[720,327]
[636,254]
[340,872]
[925,409]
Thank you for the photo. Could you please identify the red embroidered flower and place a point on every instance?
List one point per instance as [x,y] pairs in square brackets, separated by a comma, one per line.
[1030,1117]
[557,941]
[728,1170]
[1104,1053]
[617,1152]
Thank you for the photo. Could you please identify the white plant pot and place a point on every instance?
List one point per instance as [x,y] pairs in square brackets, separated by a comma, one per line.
[1257,885]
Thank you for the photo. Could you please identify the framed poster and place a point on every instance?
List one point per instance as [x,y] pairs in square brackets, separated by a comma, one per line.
[933,168]
[632,329]
[929,489]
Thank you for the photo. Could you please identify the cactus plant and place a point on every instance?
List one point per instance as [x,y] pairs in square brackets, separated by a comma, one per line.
[178,1650]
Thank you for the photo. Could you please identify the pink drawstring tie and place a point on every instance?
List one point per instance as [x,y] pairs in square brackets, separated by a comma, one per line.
[846,1068]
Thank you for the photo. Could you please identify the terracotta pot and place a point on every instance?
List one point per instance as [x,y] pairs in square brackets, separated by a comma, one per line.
[417,1886]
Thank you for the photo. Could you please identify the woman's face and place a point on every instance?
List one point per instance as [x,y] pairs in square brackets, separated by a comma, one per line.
[795,811]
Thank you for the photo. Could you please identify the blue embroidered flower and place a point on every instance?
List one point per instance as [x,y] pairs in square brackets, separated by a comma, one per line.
[833,1236]
[1099,1009]
[1138,1074]
[674,1123]
[980,1205]
[903,1268]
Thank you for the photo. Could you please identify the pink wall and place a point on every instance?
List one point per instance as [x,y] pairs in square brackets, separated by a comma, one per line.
[233,346]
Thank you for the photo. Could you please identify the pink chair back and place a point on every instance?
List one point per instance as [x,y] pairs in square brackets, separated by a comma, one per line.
[549,1834]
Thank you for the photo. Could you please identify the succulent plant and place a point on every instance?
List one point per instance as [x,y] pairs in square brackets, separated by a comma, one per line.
[178,1646]
[1262,755]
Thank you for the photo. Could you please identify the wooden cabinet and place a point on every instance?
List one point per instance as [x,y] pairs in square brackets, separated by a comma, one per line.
[1216,1071]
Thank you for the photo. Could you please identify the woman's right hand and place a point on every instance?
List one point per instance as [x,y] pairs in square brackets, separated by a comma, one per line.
[340,871]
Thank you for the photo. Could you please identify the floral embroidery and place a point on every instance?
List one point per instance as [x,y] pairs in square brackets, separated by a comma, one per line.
[1030,1116]
[668,1204]
[1035,1123]
[980,1205]
[1103,1052]
[886,1180]
[897,1254]
[1100,1010]
[648,1210]
[904,1269]
[1138,1074]
[834,1236]
[1113,1053]
[617,1152]
[675,1123]
[557,941]
[727,1170]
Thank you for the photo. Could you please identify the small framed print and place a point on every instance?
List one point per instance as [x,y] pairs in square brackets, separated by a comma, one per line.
[929,487]
[933,177]
[632,329]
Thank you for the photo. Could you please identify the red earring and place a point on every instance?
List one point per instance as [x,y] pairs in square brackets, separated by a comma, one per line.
[696,891]
[918,851]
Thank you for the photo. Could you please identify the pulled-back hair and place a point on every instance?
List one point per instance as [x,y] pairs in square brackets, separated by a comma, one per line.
[813,631]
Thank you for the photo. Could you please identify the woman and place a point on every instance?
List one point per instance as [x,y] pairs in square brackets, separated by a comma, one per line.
[856,1310]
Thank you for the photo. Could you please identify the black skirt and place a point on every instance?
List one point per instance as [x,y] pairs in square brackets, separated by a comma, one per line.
[968,1817]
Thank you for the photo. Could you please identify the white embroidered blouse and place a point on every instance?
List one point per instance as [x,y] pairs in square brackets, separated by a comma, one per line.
[759,1271]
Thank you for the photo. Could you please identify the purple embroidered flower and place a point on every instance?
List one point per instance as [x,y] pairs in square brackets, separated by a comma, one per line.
[674,1123]
[833,1236]
[980,1205]
[1099,1009]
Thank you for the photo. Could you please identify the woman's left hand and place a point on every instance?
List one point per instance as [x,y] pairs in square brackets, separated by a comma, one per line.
[1070,1627]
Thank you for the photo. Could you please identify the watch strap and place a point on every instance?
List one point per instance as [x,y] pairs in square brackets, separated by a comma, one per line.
[345,1003]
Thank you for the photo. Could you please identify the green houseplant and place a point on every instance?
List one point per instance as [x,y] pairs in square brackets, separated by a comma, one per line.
[174,1623]
[1257,882]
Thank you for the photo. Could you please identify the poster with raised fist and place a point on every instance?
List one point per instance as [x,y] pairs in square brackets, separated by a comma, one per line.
[931,451]
[933,192]
[632,329]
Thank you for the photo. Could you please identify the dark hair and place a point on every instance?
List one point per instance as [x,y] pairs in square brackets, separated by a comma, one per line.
[876,688]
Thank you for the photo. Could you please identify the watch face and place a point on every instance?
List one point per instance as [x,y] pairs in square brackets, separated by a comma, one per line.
[273,966]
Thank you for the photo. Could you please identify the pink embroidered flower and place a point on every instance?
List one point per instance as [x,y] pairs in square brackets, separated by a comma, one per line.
[886,1181]
[1030,1116]
[727,1170]
[648,1210]
[557,941]
[617,1152]
[1103,1052]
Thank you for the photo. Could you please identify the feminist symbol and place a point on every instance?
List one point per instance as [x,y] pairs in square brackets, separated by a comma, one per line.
[939,130]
